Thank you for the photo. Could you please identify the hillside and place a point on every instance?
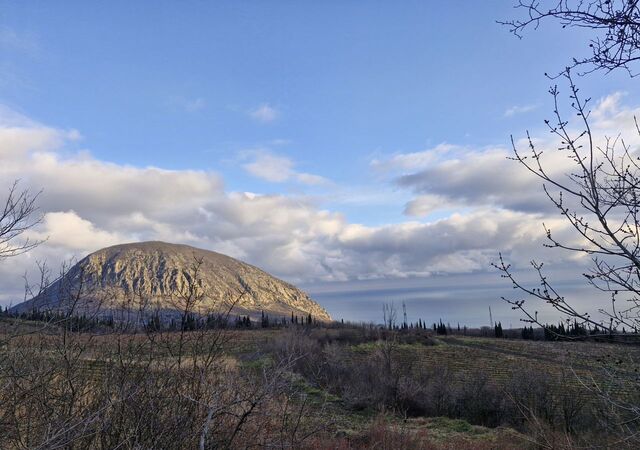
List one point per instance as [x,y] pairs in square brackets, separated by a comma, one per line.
[163,276]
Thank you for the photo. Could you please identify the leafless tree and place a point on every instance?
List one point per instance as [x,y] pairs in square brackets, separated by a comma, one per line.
[615,22]
[600,199]
[18,215]
[389,315]
[133,386]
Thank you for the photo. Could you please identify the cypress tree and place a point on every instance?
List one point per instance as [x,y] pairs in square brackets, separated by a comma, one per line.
[498,330]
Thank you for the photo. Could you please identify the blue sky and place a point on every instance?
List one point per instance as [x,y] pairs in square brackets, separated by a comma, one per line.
[298,100]
[169,85]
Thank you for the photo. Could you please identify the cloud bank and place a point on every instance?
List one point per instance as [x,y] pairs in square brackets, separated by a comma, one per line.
[467,204]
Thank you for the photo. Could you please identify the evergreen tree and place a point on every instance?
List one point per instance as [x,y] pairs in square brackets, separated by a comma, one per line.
[441,328]
[264,320]
[154,323]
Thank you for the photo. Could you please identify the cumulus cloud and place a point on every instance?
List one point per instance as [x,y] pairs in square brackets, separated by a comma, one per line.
[270,167]
[19,135]
[276,168]
[89,203]
[414,160]
[481,177]
[423,205]
[264,113]
[608,107]
[68,230]
[448,177]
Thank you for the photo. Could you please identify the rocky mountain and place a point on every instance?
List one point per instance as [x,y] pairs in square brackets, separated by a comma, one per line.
[163,276]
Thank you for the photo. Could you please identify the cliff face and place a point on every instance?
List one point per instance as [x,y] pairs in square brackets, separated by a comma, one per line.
[164,275]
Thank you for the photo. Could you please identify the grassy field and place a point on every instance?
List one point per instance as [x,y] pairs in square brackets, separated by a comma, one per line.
[303,387]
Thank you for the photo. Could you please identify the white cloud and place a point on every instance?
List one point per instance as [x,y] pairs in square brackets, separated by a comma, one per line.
[270,167]
[519,109]
[264,113]
[311,179]
[608,106]
[70,231]
[446,176]
[276,168]
[478,178]
[89,203]
[414,160]
[423,205]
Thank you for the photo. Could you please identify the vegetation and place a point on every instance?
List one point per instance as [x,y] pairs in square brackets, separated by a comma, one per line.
[145,378]
[295,386]
[597,196]
[615,25]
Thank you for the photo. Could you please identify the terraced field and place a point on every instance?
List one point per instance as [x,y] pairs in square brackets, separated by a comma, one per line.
[459,358]
[500,359]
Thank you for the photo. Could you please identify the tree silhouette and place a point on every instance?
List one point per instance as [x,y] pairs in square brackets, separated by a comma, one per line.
[615,23]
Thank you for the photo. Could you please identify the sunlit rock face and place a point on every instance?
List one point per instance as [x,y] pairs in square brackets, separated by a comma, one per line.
[163,276]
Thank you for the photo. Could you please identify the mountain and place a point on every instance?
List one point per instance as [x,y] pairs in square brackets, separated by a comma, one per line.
[162,276]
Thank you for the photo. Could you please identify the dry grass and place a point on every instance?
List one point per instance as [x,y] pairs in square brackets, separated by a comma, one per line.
[289,388]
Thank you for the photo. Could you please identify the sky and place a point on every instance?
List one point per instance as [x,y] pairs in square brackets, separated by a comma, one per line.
[358,149]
